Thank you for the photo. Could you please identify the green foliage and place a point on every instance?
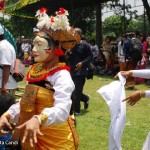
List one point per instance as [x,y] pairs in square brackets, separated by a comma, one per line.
[24,26]
[8,2]
[84,18]
[113,24]
[133,25]
[143,24]
[19,26]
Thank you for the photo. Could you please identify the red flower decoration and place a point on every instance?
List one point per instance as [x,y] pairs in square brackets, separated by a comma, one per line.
[2,4]
[52,19]
[59,52]
[42,10]
[61,11]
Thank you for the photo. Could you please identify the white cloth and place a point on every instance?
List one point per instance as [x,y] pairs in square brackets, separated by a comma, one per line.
[7,57]
[146,145]
[63,86]
[113,94]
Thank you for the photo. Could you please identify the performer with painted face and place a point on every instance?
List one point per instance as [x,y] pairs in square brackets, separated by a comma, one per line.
[42,114]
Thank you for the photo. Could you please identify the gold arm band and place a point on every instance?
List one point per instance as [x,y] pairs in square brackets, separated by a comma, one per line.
[142,94]
[43,118]
[7,115]
[130,73]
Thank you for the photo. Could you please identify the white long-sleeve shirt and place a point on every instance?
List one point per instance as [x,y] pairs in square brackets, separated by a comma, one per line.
[121,55]
[63,86]
[143,73]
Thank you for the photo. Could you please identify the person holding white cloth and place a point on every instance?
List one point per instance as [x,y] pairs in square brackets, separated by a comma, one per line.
[137,95]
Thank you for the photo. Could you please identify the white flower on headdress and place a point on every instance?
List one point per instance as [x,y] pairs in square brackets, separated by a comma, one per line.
[60,22]
[43,19]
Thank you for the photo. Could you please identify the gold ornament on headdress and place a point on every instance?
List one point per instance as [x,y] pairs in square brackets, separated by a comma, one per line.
[58,28]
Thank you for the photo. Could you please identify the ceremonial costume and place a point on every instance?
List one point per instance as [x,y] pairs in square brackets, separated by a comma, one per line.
[43,100]
[42,115]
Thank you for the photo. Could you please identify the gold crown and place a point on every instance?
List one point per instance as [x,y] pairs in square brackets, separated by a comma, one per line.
[58,28]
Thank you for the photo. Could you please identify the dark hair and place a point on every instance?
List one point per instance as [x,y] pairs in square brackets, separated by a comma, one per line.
[124,35]
[6,100]
[78,31]
[108,37]
[92,41]
[2,37]
[137,33]
[144,37]
[46,36]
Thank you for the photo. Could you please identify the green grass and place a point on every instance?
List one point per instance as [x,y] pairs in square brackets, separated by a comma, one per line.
[93,124]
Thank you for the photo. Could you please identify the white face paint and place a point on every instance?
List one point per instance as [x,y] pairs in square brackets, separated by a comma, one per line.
[39,49]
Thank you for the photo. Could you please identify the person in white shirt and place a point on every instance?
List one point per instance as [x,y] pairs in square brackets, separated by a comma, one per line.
[121,54]
[94,49]
[26,49]
[43,112]
[7,61]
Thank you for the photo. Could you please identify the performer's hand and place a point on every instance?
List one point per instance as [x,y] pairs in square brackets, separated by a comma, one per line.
[133,98]
[4,90]
[125,74]
[31,129]
[4,122]
[79,66]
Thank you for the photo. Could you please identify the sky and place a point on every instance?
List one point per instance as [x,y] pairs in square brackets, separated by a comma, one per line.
[136,4]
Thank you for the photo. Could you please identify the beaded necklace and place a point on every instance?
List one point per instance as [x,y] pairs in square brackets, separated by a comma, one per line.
[38,73]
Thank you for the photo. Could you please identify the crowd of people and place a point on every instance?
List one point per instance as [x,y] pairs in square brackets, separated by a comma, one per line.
[45,115]
[115,55]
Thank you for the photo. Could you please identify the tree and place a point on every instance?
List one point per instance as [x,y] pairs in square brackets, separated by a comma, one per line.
[19,26]
[147,7]
[85,19]
[124,11]
[114,24]
[143,24]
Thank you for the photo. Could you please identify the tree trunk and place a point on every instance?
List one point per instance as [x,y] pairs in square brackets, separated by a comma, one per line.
[147,7]
[99,25]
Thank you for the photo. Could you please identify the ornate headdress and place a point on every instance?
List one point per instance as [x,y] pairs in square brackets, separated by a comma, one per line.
[58,27]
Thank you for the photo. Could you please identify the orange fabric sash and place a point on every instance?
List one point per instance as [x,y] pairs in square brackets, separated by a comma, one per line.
[56,137]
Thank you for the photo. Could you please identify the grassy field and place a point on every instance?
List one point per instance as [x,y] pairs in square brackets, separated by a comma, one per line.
[93,124]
